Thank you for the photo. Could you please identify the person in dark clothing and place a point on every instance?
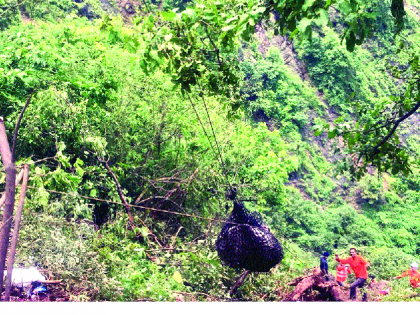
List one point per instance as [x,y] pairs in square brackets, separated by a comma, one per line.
[324,264]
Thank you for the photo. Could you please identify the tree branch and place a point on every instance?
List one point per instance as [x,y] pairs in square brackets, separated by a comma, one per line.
[15,134]
[120,193]
[124,201]
[375,149]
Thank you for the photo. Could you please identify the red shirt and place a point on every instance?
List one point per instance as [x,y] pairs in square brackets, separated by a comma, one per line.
[358,264]
[414,277]
[342,272]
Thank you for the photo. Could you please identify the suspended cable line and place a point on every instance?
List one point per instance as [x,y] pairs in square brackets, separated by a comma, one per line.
[216,154]
[222,165]
[131,205]
[202,125]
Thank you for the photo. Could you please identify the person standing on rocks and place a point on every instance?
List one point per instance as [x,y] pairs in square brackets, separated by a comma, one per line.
[359,266]
[323,265]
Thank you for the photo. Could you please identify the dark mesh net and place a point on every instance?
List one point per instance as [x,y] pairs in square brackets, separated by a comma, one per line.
[246,242]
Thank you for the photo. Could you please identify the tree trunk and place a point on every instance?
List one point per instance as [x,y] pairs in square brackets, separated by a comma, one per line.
[7,159]
[18,179]
[316,287]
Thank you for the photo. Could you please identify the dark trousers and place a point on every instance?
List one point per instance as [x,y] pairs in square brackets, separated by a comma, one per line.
[325,274]
[360,282]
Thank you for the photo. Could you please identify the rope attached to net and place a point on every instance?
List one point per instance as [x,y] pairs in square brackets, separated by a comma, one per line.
[218,153]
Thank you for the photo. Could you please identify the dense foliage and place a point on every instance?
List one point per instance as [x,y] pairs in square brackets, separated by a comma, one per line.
[180,111]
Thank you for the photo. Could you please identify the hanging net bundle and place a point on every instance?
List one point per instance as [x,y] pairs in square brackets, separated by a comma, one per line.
[246,242]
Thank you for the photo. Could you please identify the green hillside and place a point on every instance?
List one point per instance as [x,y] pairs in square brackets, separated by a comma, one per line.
[182,100]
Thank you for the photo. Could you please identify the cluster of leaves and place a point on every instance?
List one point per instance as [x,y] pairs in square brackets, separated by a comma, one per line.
[198,42]
[337,74]
[62,248]
[272,91]
[9,13]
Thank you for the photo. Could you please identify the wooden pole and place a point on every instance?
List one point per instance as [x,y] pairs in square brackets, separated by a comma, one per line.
[7,159]
[15,236]
[18,179]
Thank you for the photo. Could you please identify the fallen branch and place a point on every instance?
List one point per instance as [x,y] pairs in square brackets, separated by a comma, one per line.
[173,241]
[297,280]
[51,281]
[126,205]
[168,194]
[301,287]
[119,190]
[238,283]
[315,287]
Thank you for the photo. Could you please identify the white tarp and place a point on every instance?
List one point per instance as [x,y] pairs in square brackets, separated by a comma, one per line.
[24,277]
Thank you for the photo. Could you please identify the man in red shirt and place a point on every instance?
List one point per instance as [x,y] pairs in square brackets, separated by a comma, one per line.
[359,266]
[414,275]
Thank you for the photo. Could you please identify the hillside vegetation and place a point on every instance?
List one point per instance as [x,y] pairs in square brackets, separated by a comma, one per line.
[175,147]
